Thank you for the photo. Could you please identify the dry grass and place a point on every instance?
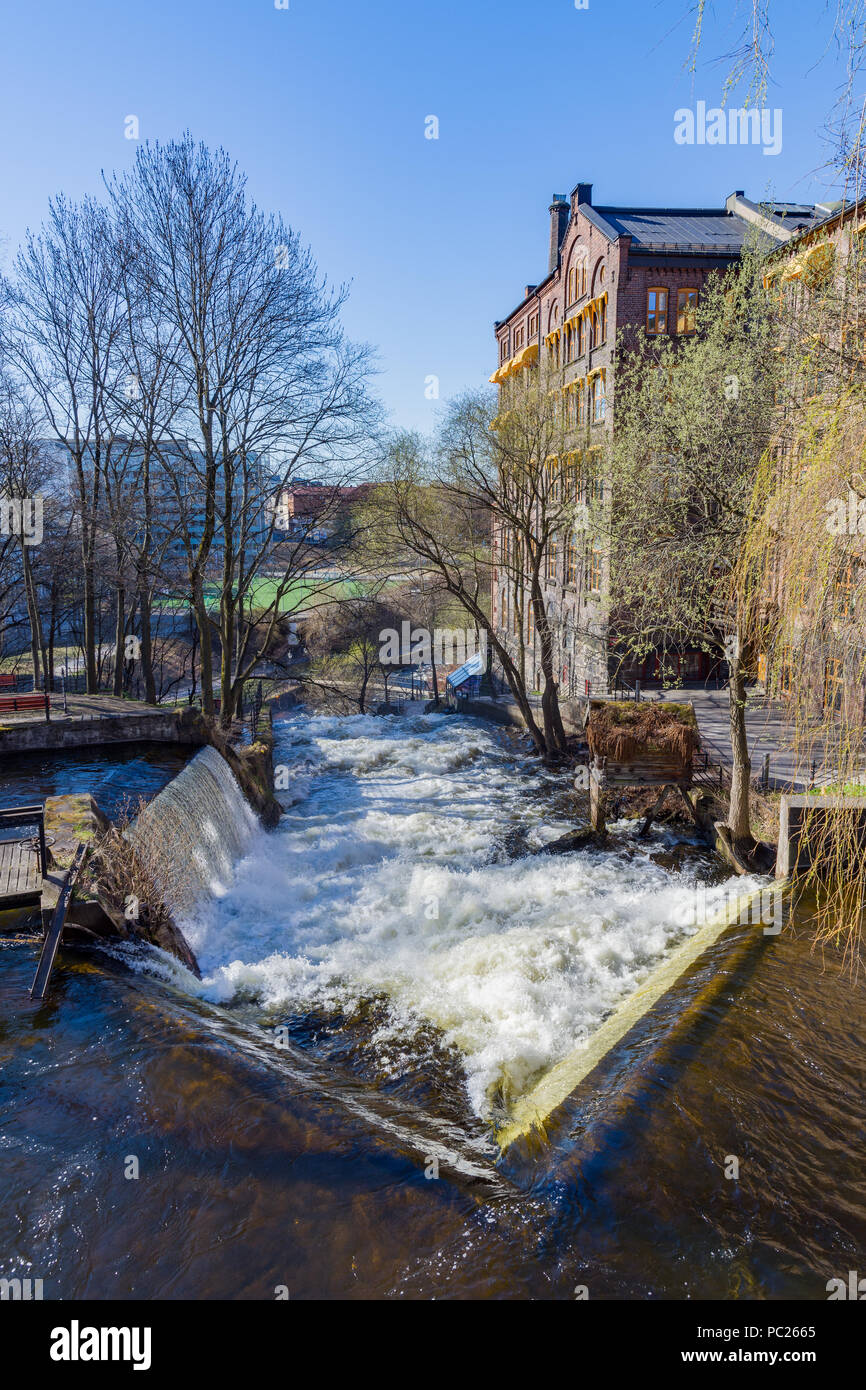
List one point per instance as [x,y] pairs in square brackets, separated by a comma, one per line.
[622,731]
[134,881]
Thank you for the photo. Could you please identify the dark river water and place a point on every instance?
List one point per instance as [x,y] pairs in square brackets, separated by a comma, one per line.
[390,968]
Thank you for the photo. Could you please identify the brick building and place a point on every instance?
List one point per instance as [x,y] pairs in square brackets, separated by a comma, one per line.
[314,510]
[819,279]
[609,269]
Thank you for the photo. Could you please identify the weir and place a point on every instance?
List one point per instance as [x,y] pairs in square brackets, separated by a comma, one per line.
[532,1110]
[192,833]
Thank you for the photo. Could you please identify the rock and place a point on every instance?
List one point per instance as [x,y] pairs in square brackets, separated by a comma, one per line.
[575,839]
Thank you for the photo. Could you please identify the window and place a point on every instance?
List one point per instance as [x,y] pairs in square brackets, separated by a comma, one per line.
[597,401]
[581,336]
[571,561]
[692,665]
[833,683]
[573,284]
[518,338]
[657,311]
[786,673]
[580,404]
[592,570]
[503,350]
[594,488]
[569,343]
[602,328]
[551,561]
[846,584]
[533,326]
[551,471]
[687,304]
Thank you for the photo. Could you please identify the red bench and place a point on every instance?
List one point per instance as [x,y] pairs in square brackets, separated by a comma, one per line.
[11,704]
[8,680]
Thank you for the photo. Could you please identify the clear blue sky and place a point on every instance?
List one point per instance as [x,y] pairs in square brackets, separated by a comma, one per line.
[324,106]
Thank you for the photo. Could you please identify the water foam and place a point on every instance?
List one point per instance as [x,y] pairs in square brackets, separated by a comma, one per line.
[390,879]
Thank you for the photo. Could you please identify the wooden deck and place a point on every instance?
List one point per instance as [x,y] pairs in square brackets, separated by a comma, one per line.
[20,873]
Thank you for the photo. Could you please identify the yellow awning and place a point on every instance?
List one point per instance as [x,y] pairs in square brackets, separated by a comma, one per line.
[496,377]
[525,357]
[793,271]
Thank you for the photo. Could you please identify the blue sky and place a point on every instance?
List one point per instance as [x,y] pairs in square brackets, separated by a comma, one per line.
[324,105]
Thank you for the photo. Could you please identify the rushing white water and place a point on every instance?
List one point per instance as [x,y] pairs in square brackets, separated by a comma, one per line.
[195,830]
[389,877]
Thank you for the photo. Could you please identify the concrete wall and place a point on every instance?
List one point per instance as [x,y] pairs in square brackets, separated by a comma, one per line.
[507,712]
[792,854]
[172,727]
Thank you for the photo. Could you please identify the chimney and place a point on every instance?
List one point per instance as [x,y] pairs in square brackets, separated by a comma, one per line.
[559,212]
[581,193]
[530,289]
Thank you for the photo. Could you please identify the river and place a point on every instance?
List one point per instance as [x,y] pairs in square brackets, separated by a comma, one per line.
[382,976]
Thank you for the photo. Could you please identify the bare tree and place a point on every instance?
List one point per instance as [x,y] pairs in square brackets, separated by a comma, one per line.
[65,320]
[267,383]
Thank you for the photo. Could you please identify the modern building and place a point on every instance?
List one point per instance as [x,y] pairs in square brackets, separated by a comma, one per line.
[611,269]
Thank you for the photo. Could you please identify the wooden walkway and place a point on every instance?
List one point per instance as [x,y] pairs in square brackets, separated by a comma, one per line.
[20,873]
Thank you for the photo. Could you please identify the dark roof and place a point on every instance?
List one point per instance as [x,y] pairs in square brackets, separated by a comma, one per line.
[693,229]
[676,229]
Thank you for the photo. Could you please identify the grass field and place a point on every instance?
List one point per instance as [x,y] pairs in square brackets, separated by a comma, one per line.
[303,595]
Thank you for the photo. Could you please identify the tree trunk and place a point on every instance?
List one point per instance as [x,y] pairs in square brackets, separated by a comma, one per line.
[204,642]
[119,641]
[554,733]
[90,630]
[146,642]
[739,820]
[36,644]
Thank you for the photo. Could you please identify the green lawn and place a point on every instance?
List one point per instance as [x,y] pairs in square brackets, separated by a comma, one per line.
[303,594]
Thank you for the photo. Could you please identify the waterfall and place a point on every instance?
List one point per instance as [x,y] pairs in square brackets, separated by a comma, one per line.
[193,832]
